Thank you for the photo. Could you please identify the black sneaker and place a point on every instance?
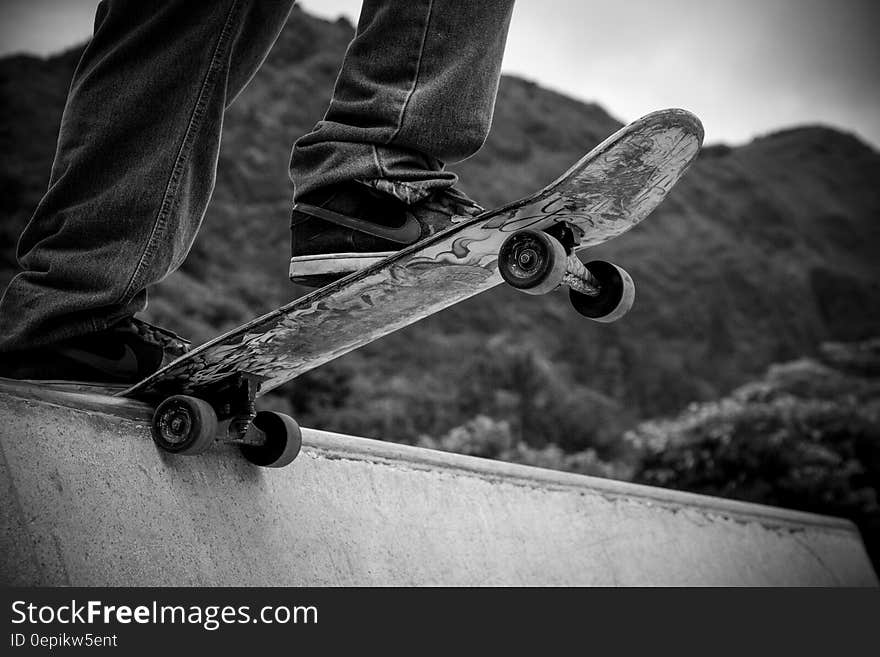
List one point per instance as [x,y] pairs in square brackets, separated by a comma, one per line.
[123,354]
[345,228]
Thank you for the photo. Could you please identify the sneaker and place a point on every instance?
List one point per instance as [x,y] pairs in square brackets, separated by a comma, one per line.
[173,346]
[123,354]
[345,228]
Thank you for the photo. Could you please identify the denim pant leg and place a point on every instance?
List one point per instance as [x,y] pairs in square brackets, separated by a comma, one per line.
[136,160]
[416,90]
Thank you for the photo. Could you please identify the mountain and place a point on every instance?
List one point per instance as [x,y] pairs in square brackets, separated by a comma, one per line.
[761,253]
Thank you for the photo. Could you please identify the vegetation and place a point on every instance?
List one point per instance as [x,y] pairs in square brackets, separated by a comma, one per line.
[805,436]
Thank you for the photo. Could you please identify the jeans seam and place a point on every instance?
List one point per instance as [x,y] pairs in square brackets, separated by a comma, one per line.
[417,76]
[169,197]
[379,167]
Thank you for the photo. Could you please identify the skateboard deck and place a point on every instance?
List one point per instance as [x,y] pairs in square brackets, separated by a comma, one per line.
[531,244]
[606,193]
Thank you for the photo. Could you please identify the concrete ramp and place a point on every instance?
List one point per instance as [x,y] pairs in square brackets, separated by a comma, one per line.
[88,500]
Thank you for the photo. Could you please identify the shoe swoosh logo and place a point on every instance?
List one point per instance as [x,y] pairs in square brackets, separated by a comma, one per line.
[115,366]
[409,233]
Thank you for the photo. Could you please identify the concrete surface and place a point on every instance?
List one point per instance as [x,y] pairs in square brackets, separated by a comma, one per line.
[88,500]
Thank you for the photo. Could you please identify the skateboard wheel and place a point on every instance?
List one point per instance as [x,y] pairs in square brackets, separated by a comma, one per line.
[616,296]
[532,261]
[184,425]
[283,440]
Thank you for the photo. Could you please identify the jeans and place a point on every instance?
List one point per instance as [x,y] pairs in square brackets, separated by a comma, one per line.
[139,138]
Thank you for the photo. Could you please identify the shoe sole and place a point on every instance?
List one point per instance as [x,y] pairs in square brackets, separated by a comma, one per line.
[307,270]
[63,385]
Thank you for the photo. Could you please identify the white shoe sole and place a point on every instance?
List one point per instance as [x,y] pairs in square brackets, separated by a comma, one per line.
[333,263]
[63,385]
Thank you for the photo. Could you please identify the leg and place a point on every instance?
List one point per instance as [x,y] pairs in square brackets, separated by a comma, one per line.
[135,164]
[416,90]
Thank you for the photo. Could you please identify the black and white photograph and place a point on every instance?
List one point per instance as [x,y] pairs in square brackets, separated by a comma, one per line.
[437,294]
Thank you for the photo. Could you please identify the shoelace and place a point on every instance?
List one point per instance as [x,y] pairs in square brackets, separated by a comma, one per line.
[171,343]
[452,202]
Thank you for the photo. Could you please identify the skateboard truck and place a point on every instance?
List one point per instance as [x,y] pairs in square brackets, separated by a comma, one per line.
[538,262]
[225,412]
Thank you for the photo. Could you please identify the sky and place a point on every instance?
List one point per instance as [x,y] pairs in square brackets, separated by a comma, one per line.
[746,67]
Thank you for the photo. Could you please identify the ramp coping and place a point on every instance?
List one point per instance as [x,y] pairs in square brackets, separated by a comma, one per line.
[339,446]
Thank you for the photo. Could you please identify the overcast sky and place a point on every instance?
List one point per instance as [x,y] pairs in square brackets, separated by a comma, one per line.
[744,66]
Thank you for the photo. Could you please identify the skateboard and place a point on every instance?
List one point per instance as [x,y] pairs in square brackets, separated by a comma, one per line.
[531,244]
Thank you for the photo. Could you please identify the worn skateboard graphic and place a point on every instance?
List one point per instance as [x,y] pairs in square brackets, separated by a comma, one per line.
[208,394]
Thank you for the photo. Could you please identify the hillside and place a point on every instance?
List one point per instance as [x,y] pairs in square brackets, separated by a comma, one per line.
[759,255]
